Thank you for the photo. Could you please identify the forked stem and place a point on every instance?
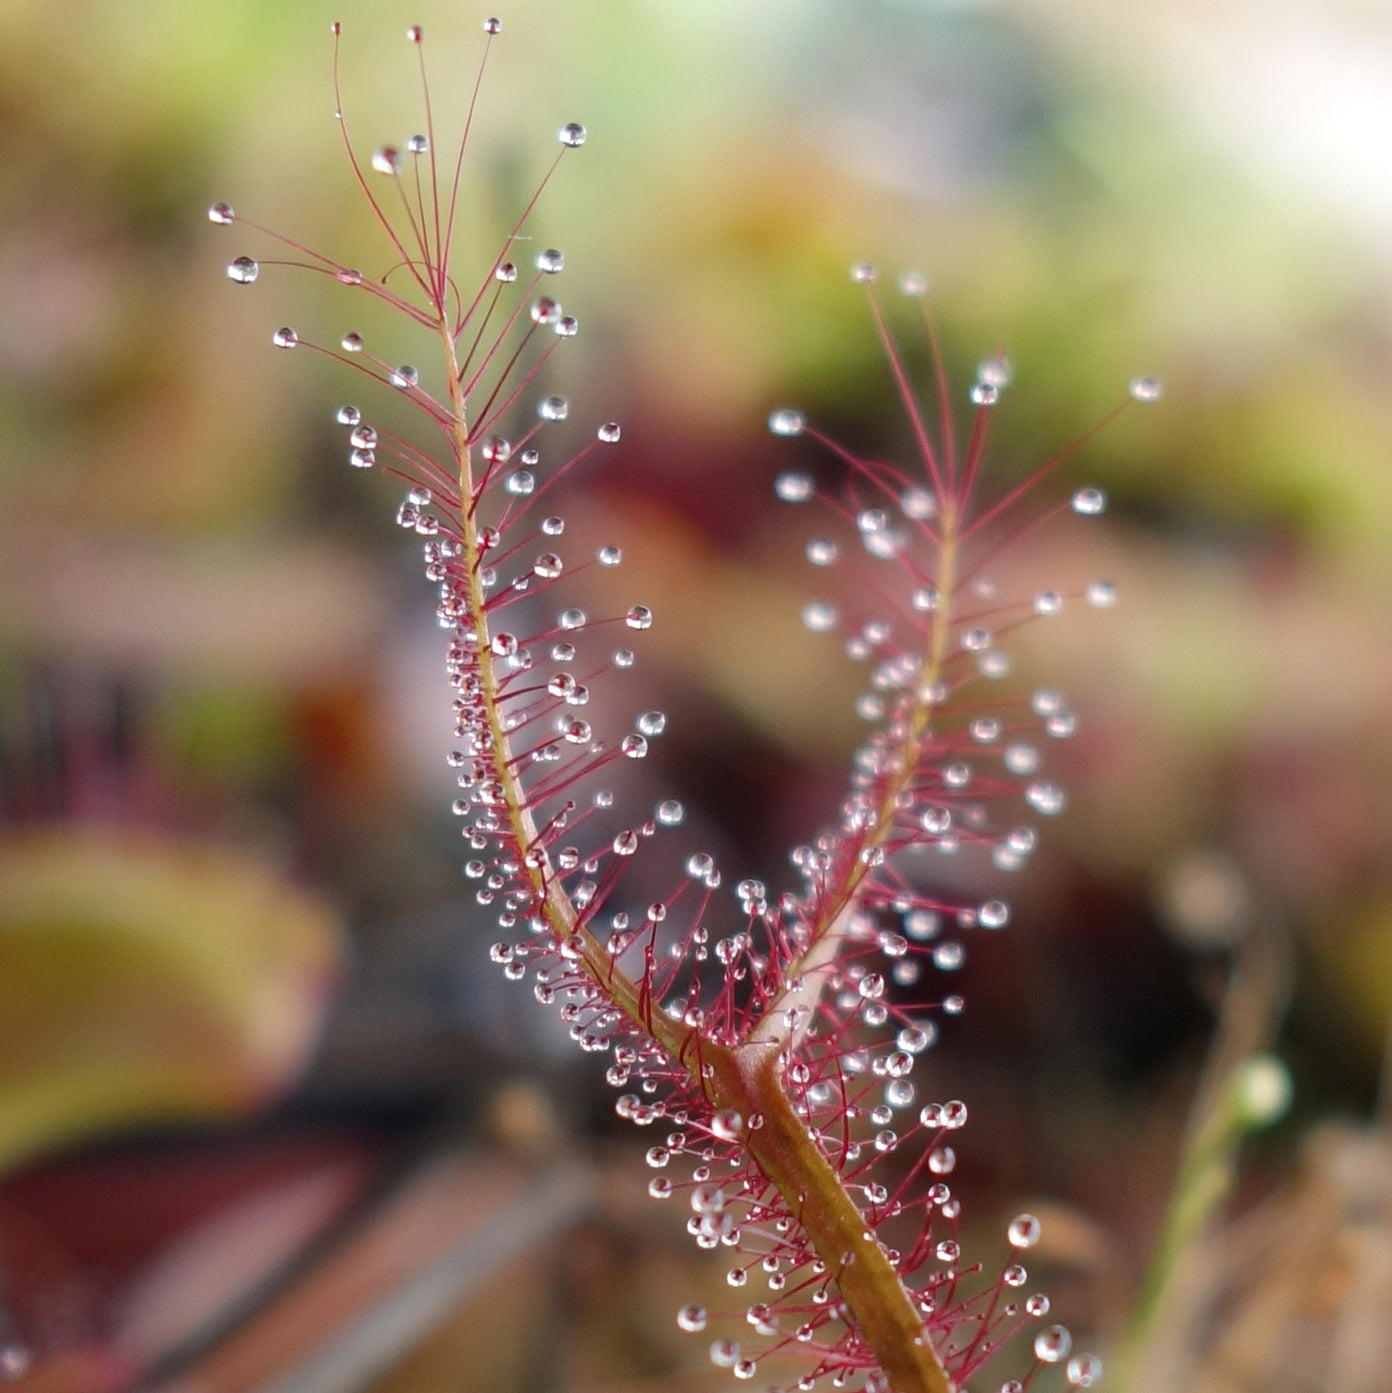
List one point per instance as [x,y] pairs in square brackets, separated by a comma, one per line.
[747,1079]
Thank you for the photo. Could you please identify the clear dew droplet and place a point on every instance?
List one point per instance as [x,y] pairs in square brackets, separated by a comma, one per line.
[285,337]
[993,914]
[222,214]
[550,261]
[692,1318]
[820,616]
[1089,502]
[418,145]
[1045,798]
[1101,594]
[243,270]
[1146,389]
[609,433]
[1084,1370]
[913,285]
[506,272]
[553,408]
[863,273]
[572,135]
[794,487]
[348,416]
[639,617]
[386,159]
[405,377]
[787,421]
[1052,1344]
[983,394]
[670,812]
[1023,1231]
[351,343]
[727,1124]
[652,723]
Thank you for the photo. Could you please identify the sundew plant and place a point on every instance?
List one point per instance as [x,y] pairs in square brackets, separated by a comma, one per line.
[767,1038]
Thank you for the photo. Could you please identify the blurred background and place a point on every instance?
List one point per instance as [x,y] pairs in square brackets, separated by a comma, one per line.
[268,1117]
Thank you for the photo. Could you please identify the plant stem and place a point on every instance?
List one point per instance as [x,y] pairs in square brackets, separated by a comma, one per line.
[747,1078]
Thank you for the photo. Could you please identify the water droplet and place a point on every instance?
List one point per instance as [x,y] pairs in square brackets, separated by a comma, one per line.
[652,723]
[995,372]
[949,956]
[822,551]
[497,449]
[415,33]
[1052,1344]
[625,844]
[918,504]
[405,377]
[820,616]
[608,556]
[942,1160]
[728,1124]
[724,1353]
[692,1317]
[634,746]
[913,285]
[348,276]
[492,26]
[1045,798]
[914,1039]
[572,134]
[520,483]
[983,394]
[386,159]
[548,565]
[1101,594]
[948,1251]
[1084,1370]
[553,408]
[243,270]
[994,914]
[285,337]
[351,343]
[348,416]
[363,437]
[362,459]
[793,487]
[1146,389]
[670,812]
[863,273]
[550,261]
[639,617]
[506,272]
[787,421]
[545,310]
[1089,502]
[221,213]
[609,433]
[1048,602]
[418,145]
[1023,1231]
[872,986]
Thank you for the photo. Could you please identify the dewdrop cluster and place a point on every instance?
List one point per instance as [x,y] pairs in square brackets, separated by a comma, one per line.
[769,1037]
